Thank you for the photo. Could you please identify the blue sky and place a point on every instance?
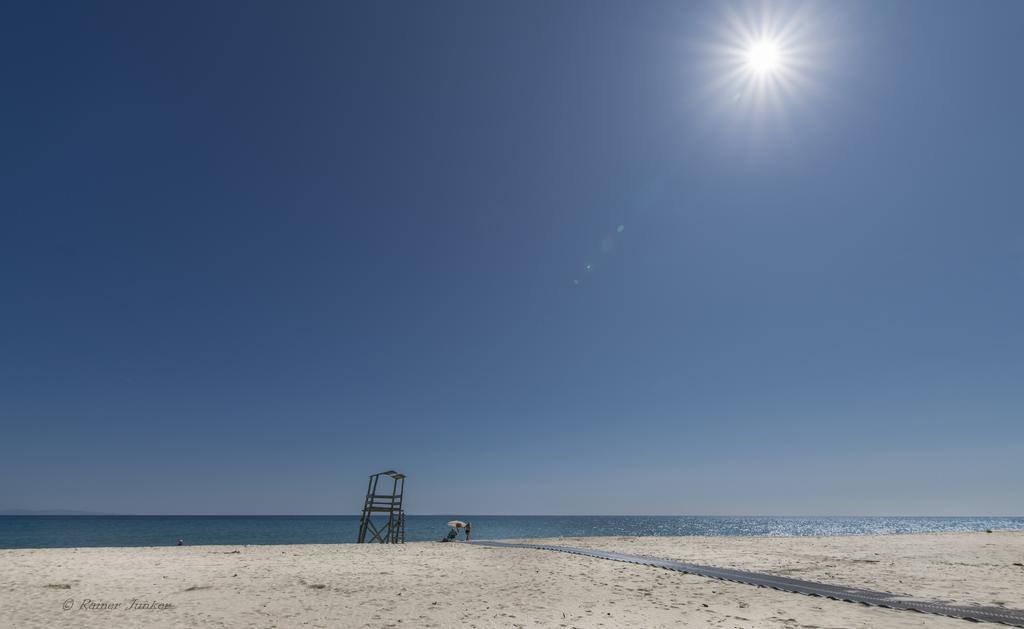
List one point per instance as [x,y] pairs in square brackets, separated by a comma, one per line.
[540,256]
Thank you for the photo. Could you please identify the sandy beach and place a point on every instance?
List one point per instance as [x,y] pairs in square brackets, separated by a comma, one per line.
[447,585]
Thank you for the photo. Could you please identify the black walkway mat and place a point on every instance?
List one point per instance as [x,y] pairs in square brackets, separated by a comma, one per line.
[1012,617]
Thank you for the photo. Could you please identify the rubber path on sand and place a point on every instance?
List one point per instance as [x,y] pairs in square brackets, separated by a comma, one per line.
[1012,617]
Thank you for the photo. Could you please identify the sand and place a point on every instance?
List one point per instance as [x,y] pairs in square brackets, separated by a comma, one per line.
[457,585]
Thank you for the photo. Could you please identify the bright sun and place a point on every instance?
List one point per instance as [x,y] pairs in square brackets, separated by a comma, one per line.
[763,56]
[764,60]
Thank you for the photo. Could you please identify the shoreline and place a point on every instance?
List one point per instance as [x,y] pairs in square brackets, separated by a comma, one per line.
[146,531]
[434,584]
[540,539]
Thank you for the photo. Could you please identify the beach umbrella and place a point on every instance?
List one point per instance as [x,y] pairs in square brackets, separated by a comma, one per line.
[458,524]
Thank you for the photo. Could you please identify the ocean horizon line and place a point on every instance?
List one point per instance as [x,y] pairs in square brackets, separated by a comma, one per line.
[59,513]
[76,513]
[70,513]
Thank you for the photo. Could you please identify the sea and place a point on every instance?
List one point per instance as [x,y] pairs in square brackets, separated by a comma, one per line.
[62,531]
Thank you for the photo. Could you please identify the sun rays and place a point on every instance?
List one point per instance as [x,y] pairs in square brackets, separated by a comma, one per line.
[761,61]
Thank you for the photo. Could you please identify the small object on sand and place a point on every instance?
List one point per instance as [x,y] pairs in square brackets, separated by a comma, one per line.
[181,542]
[988,530]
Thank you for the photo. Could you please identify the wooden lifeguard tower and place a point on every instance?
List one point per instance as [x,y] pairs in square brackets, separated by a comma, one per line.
[379,502]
